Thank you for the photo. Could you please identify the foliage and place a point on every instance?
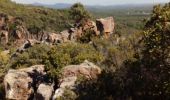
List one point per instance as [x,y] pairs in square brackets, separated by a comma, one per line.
[146,75]
[117,49]
[56,57]
[78,12]
[4,58]
[37,17]
[34,55]
[68,95]
[156,53]
[87,36]
[70,53]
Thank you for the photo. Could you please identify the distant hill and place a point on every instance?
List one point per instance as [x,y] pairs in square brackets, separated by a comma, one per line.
[109,7]
[56,6]
[137,9]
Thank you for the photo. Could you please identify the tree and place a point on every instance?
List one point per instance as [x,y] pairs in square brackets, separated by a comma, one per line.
[156,53]
[78,12]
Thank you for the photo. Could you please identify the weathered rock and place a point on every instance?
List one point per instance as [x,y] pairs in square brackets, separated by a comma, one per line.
[4,36]
[36,69]
[91,25]
[19,84]
[3,18]
[21,32]
[86,69]
[29,43]
[40,36]
[54,38]
[65,35]
[58,93]
[105,25]
[44,92]
[71,73]
[79,30]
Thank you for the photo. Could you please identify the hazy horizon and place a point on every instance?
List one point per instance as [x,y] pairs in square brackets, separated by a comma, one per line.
[93,2]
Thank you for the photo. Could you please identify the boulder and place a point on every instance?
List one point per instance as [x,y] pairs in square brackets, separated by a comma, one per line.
[54,38]
[71,73]
[44,92]
[86,69]
[20,84]
[105,25]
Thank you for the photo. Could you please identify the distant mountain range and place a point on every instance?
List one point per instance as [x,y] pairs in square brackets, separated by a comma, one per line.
[65,5]
[57,5]
[99,7]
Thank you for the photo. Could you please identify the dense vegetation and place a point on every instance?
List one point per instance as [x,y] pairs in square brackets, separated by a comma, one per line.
[145,77]
[37,17]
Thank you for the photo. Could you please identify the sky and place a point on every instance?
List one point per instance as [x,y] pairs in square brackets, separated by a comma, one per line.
[93,2]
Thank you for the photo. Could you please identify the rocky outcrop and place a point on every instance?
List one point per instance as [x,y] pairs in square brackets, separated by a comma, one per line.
[75,33]
[31,83]
[71,73]
[20,84]
[105,25]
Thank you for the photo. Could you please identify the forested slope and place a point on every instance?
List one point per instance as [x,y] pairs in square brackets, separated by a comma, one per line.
[37,17]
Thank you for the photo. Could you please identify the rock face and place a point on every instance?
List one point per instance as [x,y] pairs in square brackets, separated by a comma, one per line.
[54,38]
[71,73]
[19,84]
[21,32]
[105,25]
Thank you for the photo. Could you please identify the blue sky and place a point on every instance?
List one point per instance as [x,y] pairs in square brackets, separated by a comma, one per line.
[93,2]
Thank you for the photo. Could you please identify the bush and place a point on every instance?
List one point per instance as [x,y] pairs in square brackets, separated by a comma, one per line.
[4,58]
[56,57]
[76,52]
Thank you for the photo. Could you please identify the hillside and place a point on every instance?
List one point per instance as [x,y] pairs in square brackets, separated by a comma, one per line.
[128,16]
[73,54]
[37,17]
